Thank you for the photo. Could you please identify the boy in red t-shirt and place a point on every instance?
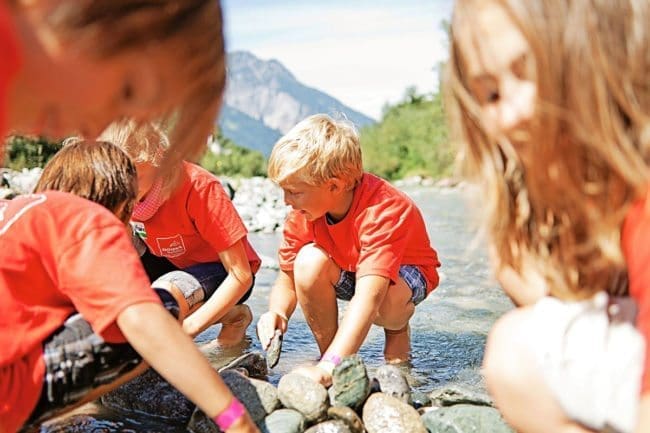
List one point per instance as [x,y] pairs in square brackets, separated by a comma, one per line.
[74,294]
[351,236]
[189,223]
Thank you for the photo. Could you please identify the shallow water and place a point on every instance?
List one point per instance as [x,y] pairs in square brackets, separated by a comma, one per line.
[448,330]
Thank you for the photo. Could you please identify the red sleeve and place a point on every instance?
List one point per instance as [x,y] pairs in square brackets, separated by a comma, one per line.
[383,235]
[297,233]
[87,275]
[636,248]
[214,216]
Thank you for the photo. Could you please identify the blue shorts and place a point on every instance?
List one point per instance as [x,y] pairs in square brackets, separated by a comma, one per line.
[411,274]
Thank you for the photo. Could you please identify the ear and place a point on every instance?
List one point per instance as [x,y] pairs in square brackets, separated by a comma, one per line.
[336,184]
[141,86]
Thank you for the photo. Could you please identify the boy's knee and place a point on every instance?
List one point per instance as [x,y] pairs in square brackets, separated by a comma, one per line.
[311,265]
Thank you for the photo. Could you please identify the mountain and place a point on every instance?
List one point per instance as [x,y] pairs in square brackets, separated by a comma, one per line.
[264,100]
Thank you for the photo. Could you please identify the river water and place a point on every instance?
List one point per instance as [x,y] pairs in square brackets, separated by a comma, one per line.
[448,330]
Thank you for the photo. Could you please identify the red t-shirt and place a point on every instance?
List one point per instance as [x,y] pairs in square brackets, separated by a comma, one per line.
[635,241]
[197,222]
[9,64]
[382,231]
[58,254]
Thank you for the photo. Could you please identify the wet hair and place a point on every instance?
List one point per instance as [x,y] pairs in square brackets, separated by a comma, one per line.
[317,149]
[557,218]
[98,171]
[190,31]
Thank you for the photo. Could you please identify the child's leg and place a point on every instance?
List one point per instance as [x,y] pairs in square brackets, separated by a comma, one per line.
[234,325]
[315,275]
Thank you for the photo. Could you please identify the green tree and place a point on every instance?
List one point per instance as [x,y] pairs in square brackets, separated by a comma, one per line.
[29,152]
[233,160]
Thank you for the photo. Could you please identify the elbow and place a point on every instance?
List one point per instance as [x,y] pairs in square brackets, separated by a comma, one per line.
[244,279]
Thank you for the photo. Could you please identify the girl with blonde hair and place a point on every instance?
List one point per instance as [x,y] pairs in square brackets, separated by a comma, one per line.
[551,106]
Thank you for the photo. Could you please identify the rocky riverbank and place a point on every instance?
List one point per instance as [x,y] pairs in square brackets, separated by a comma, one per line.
[355,403]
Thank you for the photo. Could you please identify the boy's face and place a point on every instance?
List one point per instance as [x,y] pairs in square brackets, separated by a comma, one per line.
[312,201]
[146,177]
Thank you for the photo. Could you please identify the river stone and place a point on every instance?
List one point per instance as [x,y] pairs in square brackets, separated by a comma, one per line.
[465,418]
[350,382]
[268,395]
[200,423]
[385,414]
[284,421]
[332,426]
[246,393]
[153,396]
[274,349]
[393,382]
[252,362]
[420,399]
[348,416]
[455,394]
[304,395]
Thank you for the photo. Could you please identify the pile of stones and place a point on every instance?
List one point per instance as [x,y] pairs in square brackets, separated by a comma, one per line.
[355,403]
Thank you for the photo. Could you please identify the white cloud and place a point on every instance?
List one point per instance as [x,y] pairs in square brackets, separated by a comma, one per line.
[363,55]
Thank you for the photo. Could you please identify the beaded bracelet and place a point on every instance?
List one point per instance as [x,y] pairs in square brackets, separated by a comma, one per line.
[229,415]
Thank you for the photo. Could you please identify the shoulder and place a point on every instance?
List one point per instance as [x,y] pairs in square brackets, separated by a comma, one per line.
[377,192]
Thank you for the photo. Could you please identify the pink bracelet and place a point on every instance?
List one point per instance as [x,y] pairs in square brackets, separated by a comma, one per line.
[330,357]
[229,415]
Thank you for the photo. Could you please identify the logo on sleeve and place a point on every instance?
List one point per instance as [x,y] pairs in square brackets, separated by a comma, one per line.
[172,246]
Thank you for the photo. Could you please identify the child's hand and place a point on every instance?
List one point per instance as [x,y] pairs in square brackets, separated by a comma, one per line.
[243,425]
[315,373]
[266,326]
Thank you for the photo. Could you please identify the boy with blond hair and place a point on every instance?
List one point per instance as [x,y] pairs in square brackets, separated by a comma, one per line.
[351,236]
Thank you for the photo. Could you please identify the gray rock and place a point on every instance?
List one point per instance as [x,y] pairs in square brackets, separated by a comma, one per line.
[267,394]
[284,421]
[200,423]
[393,382]
[348,416]
[334,426]
[274,349]
[152,395]
[465,418]
[252,362]
[455,394]
[419,399]
[350,382]
[246,393]
[385,414]
[304,395]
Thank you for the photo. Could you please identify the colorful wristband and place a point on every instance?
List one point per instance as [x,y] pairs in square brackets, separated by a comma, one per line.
[229,415]
[330,357]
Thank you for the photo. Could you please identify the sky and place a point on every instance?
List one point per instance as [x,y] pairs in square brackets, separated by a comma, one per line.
[363,52]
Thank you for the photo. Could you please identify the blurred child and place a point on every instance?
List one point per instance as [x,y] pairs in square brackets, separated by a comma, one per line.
[189,223]
[552,107]
[351,236]
[74,66]
[74,294]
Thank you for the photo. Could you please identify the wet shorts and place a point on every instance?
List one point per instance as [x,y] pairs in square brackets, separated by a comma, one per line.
[77,361]
[410,274]
[591,357]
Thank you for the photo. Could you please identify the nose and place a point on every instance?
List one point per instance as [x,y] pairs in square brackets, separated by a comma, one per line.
[517,103]
[287,199]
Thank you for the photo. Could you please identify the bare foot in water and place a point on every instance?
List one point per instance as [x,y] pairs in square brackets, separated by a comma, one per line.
[234,324]
[398,345]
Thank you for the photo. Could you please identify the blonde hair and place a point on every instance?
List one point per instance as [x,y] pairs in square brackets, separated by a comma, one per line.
[558,219]
[317,149]
[191,33]
[95,170]
[144,143]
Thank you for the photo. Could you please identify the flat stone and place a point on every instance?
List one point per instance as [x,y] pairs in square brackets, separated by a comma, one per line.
[284,421]
[348,416]
[153,396]
[419,399]
[274,349]
[246,393]
[253,362]
[393,382]
[334,426]
[385,414]
[451,395]
[350,382]
[465,418]
[304,395]
[268,395]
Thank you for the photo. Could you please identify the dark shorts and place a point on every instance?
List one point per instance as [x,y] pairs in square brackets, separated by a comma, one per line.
[411,274]
[210,275]
[77,361]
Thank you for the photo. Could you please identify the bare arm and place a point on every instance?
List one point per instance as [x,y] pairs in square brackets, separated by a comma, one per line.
[237,282]
[643,420]
[161,342]
[282,304]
